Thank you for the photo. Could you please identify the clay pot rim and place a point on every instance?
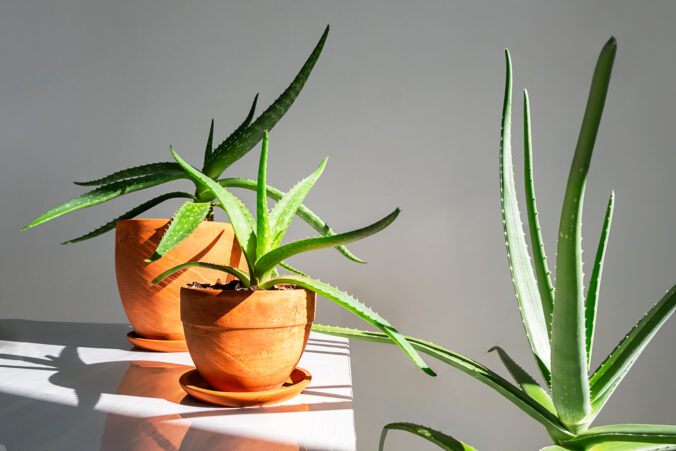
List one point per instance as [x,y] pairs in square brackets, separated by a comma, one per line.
[160,221]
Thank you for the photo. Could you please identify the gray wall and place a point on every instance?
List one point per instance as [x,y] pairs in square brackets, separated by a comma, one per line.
[406,100]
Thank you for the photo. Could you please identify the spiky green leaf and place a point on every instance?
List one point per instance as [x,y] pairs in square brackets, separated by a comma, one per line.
[525,380]
[440,439]
[570,386]
[272,258]
[643,435]
[354,306]
[105,193]
[210,143]
[229,152]
[542,273]
[619,362]
[240,218]
[288,205]
[292,269]
[240,128]
[185,221]
[262,215]
[241,275]
[130,214]
[166,168]
[595,282]
[525,286]
[467,366]
[303,212]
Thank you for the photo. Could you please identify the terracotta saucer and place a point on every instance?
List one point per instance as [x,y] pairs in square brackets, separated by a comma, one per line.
[195,385]
[157,345]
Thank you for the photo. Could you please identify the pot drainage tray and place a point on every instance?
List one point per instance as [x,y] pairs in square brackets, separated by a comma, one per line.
[196,386]
[156,344]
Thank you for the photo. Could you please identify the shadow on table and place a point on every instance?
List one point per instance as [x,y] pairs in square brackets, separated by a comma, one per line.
[30,423]
[91,335]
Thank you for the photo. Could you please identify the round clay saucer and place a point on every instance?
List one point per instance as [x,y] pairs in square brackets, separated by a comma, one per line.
[195,385]
[157,345]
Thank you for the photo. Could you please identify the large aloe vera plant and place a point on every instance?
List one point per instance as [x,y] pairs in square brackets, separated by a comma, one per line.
[559,318]
[261,243]
[198,206]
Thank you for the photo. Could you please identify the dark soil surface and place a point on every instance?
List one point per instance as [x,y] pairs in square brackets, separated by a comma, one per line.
[237,286]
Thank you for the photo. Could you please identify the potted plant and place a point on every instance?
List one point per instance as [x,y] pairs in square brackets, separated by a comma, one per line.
[141,244]
[249,335]
[559,319]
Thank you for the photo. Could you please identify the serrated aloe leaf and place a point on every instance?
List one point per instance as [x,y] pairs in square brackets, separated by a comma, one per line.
[272,258]
[354,306]
[467,366]
[440,439]
[525,380]
[186,219]
[241,275]
[570,386]
[629,446]
[229,152]
[105,193]
[210,143]
[595,282]
[240,218]
[146,169]
[240,128]
[303,212]
[262,214]
[292,269]
[525,286]
[130,214]
[542,272]
[619,362]
[642,434]
[288,205]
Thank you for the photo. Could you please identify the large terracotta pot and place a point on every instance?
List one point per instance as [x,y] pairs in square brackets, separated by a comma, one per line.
[154,310]
[246,340]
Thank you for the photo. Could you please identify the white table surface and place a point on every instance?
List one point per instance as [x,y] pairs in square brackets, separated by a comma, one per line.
[74,386]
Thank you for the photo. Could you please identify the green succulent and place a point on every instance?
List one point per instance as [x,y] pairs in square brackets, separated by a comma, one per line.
[199,205]
[559,319]
[261,242]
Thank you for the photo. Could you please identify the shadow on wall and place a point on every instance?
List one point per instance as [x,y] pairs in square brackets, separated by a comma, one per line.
[29,422]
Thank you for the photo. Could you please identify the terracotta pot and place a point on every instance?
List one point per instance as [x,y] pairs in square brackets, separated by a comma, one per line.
[243,340]
[154,310]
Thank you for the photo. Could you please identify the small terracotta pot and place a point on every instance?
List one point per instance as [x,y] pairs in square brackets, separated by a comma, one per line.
[154,310]
[244,340]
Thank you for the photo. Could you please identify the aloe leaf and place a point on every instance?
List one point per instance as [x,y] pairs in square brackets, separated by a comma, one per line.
[467,366]
[292,269]
[130,214]
[619,362]
[570,386]
[146,169]
[241,275]
[440,439]
[240,218]
[272,258]
[262,215]
[525,380]
[525,286]
[542,272]
[288,205]
[229,152]
[642,433]
[595,282]
[353,305]
[105,193]
[303,212]
[210,146]
[186,219]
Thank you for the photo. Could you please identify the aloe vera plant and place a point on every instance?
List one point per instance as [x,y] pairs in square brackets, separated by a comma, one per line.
[559,319]
[261,243]
[198,206]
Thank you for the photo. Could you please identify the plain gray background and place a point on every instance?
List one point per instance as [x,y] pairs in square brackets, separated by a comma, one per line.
[406,101]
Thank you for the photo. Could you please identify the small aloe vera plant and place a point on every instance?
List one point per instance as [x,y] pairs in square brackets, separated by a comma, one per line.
[559,319]
[260,240]
[198,206]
